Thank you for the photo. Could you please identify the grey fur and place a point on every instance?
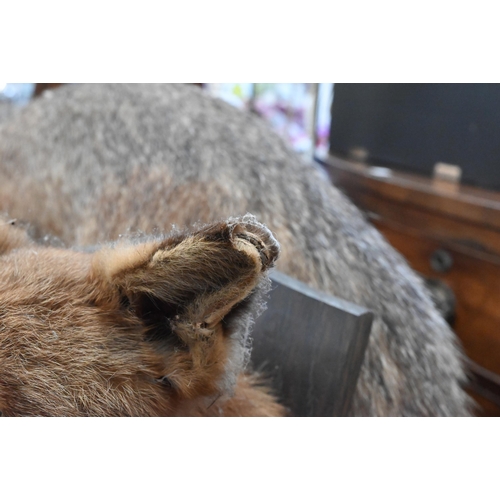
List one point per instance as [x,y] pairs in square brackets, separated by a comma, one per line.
[99,160]
[7,109]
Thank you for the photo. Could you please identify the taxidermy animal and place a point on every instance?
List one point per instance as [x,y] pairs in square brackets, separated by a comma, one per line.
[156,322]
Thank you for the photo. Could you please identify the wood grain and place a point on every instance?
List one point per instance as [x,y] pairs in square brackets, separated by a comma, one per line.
[311,346]
[420,216]
[477,289]
[466,203]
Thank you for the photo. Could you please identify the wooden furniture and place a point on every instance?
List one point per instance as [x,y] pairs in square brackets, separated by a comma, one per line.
[447,232]
[42,87]
[311,346]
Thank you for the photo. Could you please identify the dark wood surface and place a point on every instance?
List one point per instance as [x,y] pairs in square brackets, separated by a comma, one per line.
[475,282]
[310,346]
[42,87]
[421,216]
[466,203]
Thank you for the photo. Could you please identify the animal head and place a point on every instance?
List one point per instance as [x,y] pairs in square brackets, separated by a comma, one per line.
[133,328]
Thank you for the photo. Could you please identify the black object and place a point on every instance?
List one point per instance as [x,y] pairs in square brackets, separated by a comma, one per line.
[311,346]
[414,126]
[441,260]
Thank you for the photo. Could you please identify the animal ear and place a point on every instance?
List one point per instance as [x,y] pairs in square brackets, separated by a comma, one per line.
[193,278]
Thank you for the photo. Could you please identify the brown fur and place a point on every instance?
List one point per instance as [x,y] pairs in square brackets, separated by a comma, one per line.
[138,328]
[88,163]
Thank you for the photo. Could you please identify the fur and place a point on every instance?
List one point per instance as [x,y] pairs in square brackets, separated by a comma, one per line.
[89,163]
[139,328]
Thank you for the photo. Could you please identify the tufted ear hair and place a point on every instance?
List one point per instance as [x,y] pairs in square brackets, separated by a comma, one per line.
[194,292]
[189,278]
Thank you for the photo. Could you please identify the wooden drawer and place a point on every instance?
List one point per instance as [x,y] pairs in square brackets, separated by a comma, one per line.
[450,233]
[474,280]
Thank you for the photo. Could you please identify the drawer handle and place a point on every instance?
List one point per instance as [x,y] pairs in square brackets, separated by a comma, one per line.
[441,260]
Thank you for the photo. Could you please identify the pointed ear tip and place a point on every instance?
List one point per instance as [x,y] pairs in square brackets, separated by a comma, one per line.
[257,234]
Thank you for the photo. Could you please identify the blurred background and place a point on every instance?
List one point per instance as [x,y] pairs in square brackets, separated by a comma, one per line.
[423,163]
